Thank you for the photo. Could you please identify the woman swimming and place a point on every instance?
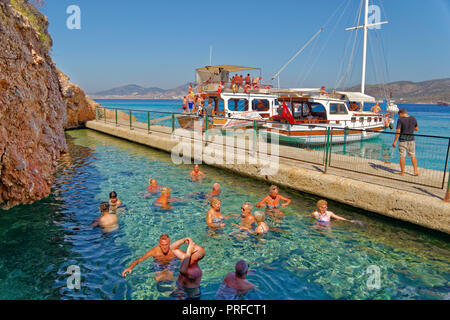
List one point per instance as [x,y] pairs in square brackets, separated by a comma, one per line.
[114,203]
[214,217]
[323,215]
[272,202]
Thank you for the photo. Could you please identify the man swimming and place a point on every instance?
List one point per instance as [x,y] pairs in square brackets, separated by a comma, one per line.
[248,221]
[107,221]
[234,286]
[163,254]
[272,202]
[216,191]
[190,274]
[323,215]
[114,203]
[164,201]
[196,174]
[153,186]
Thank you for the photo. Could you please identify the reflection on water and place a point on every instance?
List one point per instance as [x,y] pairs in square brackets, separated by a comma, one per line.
[40,241]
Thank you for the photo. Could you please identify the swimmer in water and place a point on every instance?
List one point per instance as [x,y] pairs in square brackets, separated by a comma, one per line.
[234,286]
[272,202]
[164,255]
[108,221]
[164,201]
[248,221]
[190,274]
[323,215]
[214,217]
[196,174]
[153,186]
[114,203]
[216,191]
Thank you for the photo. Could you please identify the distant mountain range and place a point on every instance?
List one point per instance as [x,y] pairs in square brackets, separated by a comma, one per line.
[431,91]
[427,92]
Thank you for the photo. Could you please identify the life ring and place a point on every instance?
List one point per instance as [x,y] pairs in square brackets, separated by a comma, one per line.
[247,87]
[234,87]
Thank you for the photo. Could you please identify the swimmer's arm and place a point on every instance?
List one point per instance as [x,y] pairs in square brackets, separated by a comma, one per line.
[144,257]
[335,216]
[95,223]
[232,215]
[287,201]
[261,203]
[278,230]
[187,259]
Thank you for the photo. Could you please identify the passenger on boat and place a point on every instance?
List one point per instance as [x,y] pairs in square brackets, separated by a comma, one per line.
[184,106]
[376,108]
[107,221]
[247,219]
[248,80]
[164,254]
[323,91]
[114,203]
[255,83]
[190,99]
[234,286]
[323,215]
[153,186]
[190,275]
[196,174]
[353,106]
[240,81]
[214,217]
[272,202]
[165,201]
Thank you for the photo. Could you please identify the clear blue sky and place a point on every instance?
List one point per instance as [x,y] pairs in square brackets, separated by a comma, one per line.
[160,43]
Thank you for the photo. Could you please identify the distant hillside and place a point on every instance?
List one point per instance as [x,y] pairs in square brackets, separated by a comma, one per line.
[138,92]
[429,92]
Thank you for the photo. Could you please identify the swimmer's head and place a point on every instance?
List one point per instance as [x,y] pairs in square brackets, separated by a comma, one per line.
[215,202]
[273,190]
[196,168]
[164,243]
[216,187]
[247,208]
[152,181]
[241,269]
[322,204]
[113,195]
[165,191]
[260,216]
[104,207]
[199,253]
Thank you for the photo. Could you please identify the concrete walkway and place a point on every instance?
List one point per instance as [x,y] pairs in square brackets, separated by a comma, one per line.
[302,170]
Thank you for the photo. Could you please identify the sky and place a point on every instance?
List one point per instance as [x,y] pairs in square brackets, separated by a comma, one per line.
[161,43]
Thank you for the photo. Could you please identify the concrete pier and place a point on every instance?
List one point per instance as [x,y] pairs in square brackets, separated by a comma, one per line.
[396,199]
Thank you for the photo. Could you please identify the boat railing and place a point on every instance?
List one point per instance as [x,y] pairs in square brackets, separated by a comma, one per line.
[366,152]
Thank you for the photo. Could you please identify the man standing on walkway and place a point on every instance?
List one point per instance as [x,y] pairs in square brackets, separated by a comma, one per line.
[406,126]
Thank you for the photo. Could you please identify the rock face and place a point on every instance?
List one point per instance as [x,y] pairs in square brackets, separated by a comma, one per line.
[33,112]
[79,108]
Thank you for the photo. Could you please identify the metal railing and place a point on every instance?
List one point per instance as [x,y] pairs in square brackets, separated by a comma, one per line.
[363,151]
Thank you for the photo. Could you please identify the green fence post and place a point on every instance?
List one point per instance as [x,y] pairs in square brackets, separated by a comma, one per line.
[116,117]
[173,122]
[131,120]
[327,150]
[148,121]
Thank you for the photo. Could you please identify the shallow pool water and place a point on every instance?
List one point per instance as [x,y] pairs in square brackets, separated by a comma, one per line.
[40,241]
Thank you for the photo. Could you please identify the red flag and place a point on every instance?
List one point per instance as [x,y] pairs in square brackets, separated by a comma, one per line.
[287,114]
[391,94]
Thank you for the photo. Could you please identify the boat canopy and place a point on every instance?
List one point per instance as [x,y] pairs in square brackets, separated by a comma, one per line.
[212,74]
[357,96]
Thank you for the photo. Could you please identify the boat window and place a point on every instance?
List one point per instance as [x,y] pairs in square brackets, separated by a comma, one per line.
[260,105]
[317,111]
[218,105]
[238,105]
[353,119]
[338,108]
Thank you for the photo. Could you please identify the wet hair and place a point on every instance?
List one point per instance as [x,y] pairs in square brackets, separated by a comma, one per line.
[214,201]
[321,203]
[249,206]
[260,216]
[113,195]
[104,206]
[402,111]
[164,237]
[216,186]
[152,179]
[165,190]
[273,188]
[241,268]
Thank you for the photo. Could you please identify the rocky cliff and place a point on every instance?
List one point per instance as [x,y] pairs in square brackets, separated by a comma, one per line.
[36,104]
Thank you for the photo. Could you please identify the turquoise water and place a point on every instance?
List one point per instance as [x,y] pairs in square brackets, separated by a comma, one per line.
[307,261]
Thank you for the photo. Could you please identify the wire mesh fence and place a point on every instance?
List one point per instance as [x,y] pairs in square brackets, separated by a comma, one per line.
[367,152]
